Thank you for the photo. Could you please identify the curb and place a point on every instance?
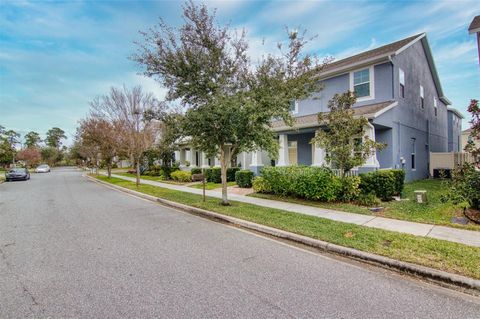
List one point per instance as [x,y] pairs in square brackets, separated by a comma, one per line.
[437,276]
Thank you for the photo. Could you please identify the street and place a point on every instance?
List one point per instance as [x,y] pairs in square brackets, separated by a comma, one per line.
[70,248]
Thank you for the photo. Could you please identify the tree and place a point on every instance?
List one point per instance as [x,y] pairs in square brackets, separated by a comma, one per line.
[31,156]
[230,100]
[32,139]
[54,137]
[103,134]
[471,147]
[345,140]
[129,110]
[9,139]
[50,154]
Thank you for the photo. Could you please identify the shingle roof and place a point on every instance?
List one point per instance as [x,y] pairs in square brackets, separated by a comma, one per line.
[311,120]
[371,54]
[475,25]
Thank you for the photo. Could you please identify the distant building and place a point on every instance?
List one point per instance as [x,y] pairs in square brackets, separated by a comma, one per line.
[454,120]
[466,138]
[475,28]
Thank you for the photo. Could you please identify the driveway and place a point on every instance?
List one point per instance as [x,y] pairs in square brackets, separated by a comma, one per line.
[70,248]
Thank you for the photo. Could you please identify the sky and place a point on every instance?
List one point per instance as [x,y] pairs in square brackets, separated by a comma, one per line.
[56,56]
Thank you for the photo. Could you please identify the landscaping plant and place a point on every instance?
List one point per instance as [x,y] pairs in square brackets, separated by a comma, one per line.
[244,178]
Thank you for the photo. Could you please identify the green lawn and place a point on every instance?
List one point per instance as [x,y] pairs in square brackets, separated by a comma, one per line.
[433,212]
[210,185]
[151,178]
[443,255]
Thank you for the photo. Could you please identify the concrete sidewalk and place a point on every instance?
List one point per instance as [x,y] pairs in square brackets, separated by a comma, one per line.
[466,237]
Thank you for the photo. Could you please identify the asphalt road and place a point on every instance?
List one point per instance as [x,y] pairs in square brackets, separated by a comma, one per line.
[70,248]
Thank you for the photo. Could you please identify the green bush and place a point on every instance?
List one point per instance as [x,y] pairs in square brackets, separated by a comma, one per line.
[369,200]
[213,175]
[231,171]
[349,188]
[464,189]
[181,176]
[260,185]
[382,183]
[316,183]
[196,170]
[243,178]
[399,175]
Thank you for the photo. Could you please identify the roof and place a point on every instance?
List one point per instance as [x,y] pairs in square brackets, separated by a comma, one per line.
[374,54]
[311,120]
[475,25]
[385,54]
[457,112]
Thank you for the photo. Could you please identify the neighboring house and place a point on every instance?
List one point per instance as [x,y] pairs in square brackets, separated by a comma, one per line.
[466,138]
[398,90]
[475,28]
[454,119]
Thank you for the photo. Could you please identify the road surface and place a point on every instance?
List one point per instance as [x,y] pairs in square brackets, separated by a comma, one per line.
[70,248]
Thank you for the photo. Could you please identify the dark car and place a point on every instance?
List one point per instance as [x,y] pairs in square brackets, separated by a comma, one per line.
[17,174]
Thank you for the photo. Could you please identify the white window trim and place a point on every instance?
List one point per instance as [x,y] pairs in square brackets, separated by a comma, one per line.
[372,83]
[400,72]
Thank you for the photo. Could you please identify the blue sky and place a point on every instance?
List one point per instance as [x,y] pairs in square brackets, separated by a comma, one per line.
[55,57]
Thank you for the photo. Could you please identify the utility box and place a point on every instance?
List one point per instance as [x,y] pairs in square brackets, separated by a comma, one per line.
[420,196]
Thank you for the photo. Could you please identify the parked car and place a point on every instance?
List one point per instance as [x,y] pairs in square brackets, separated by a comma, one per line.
[17,174]
[43,168]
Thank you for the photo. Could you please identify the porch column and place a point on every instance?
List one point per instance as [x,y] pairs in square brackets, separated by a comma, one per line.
[372,160]
[318,155]
[244,160]
[204,160]
[257,163]
[193,158]
[182,157]
[283,150]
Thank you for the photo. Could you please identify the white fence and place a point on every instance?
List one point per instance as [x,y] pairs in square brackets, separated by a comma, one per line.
[448,160]
[338,172]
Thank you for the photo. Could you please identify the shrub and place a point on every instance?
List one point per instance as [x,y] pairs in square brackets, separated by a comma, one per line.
[231,171]
[307,182]
[381,183]
[399,175]
[464,188]
[243,178]
[181,176]
[368,200]
[260,185]
[349,188]
[196,170]
[213,175]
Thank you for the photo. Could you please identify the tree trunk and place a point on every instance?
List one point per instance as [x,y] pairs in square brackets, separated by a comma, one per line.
[109,169]
[137,181]
[224,160]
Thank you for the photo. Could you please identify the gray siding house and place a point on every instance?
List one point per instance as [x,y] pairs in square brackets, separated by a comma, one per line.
[398,90]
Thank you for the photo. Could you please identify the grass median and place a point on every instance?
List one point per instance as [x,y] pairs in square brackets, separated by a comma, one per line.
[439,254]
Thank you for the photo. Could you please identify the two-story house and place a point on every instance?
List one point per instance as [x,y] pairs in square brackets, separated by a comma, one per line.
[398,90]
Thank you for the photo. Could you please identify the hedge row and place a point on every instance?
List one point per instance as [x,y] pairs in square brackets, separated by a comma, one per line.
[320,183]
[383,183]
[214,174]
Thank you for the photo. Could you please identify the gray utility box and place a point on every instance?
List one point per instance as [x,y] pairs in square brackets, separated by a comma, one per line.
[420,196]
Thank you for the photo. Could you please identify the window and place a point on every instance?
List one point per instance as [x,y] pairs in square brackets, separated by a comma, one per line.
[361,83]
[292,152]
[401,76]
[422,98]
[294,106]
[435,106]
[413,154]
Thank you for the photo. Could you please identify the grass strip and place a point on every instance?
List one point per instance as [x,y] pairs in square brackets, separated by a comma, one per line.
[433,212]
[211,185]
[439,254]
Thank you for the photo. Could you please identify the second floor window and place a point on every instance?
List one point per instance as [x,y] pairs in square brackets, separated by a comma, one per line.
[401,76]
[422,98]
[435,106]
[294,106]
[361,83]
